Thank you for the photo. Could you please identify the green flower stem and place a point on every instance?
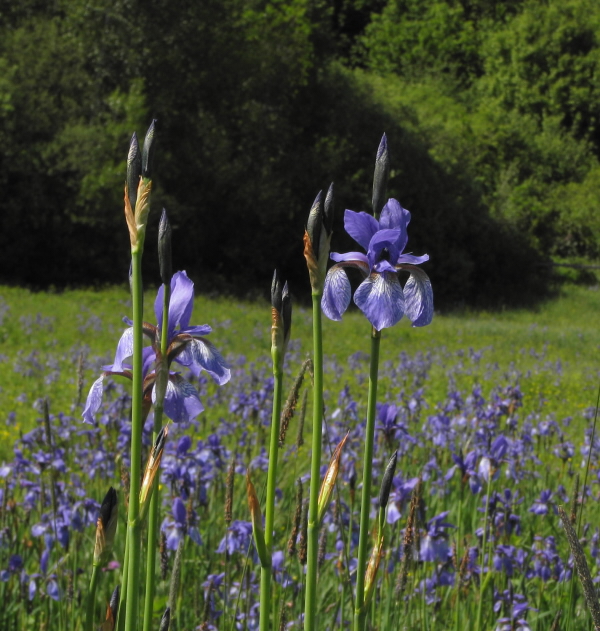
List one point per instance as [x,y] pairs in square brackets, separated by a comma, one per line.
[133,526]
[312,535]
[91,599]
[266,572]
[123,595]
[365,505]
[153,511]
[484,581]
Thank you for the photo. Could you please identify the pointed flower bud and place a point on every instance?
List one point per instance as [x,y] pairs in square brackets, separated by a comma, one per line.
[165,621]
[386,485]
[148,150]
[134,169]
[106,527]
[329,210]
[314,225]
[164,250]
[329,479]
[281,320]
[257,524]
[380,178]
[152,467]
[371,572]
[317,238]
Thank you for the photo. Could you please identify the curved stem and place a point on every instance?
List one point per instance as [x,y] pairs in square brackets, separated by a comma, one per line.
[312,533]
[365,505]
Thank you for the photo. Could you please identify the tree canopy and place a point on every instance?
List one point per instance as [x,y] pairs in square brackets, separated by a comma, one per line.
[491,110]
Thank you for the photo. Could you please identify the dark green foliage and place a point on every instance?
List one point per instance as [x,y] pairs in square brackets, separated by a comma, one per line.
[490,113]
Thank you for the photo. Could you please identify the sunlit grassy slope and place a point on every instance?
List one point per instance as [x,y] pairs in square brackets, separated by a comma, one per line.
[45,336]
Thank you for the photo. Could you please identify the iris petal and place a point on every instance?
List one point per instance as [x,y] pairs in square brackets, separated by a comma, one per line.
[181,400]
[419,298]
[361,227]
[182,301]
[124,349]
[336,293]
[202,355]
[381,299]
[94,400]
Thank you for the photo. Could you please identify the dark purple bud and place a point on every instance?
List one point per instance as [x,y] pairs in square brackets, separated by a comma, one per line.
[148,151]
[165,620]
[315,223]
[380,178]
[386,482]
[276,292]
[329,210]
[286,313]
[114,601]
[108,507]
[164,249]
[134,170]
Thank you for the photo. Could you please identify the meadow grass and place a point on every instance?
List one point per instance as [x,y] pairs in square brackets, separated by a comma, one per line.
[451,381]
[43,336]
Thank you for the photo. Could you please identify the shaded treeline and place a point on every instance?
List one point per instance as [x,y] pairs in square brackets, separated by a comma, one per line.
[259,106]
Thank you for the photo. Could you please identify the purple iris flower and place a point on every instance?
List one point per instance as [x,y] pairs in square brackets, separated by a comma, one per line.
[380,296]
[187,346]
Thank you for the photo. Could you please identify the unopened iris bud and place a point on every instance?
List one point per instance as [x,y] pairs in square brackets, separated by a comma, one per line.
[164,250]
[152,467]
[386,486]
[317,238]
[165,621]
[257,525]
[314,225]
[281,320]
[380,178]
[371,573]
[329,210]
[148,151]
[134,169]
[106,527]
[329,480]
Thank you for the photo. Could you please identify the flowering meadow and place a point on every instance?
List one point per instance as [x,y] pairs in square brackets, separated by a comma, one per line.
[483,426]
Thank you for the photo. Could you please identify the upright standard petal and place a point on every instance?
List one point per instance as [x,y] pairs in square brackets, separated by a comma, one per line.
[336,293]
[361,227]
[381,299]
[418,296]
[124,349]
[94,400]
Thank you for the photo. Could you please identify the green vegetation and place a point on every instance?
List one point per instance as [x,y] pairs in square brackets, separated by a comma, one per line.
[44,336]
[489,107]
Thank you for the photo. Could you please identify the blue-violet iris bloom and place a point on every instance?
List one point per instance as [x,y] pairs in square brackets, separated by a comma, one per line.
[187,346]
[380,296]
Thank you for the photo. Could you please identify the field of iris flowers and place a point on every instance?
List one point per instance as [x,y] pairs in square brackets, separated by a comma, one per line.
[491,416]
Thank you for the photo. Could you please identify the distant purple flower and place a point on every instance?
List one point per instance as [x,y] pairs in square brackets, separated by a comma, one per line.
[181,524]
[543,503]
[434,546]
[187,346]
[380,296]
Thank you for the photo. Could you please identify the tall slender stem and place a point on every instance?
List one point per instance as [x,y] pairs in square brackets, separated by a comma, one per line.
[155,499]
[365,505]
[312,533]
[266,572]
[133,525]
[91,599]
